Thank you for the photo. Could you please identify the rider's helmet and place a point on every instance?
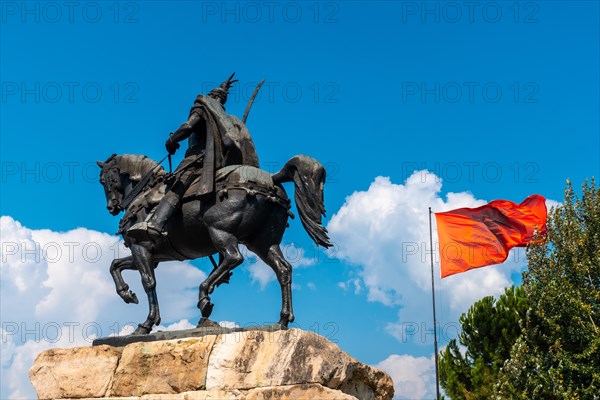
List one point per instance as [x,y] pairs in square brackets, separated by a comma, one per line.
[222,91]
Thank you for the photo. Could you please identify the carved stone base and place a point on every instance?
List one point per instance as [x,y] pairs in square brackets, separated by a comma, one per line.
[249,365]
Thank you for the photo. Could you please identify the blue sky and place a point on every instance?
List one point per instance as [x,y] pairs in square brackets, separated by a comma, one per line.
[494,100]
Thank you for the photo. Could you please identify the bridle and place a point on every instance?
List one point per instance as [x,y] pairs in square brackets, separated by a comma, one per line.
[139,187]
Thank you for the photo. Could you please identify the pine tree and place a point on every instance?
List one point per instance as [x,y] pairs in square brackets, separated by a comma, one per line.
[489,329]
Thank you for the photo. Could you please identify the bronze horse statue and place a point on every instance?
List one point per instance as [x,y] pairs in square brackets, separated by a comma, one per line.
[249,206]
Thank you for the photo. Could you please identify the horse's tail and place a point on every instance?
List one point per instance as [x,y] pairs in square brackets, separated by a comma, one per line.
[308,176]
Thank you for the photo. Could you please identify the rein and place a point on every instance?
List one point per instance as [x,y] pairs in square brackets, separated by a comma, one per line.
[137,189]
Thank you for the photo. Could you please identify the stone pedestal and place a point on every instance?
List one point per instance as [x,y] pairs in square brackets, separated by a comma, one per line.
[252,365]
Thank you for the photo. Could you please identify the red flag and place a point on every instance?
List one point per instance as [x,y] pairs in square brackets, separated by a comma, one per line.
[475,237]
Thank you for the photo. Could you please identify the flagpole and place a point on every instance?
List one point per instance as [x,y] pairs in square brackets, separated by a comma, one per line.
[435,345]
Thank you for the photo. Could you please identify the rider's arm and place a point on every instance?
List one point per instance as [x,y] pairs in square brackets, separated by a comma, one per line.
[183,132]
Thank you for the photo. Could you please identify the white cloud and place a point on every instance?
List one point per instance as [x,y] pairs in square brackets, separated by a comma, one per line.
[384,232]
[229,324]
[351,283]
[184,324]
[56,291]
[414,377]
[481,282]
[552,204]
[260,272]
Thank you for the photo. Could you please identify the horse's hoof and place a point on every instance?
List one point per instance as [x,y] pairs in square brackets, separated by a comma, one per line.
[283,323]
[284,320]
[205,307]
[207,323]
[142,330]
[129,297]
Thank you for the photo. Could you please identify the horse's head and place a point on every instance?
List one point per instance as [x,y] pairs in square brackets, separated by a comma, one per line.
[112,181]
[120,174]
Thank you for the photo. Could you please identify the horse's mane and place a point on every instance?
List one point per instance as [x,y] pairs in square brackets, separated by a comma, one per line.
[137,165]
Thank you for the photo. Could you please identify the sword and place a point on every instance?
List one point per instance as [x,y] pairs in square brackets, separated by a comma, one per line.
[249,106]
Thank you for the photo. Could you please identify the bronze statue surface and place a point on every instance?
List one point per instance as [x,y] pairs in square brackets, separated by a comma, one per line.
[216,199]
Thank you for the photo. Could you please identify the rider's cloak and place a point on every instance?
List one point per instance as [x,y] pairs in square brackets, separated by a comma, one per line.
[228,141]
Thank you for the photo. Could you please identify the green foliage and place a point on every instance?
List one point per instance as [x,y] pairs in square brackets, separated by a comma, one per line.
[558,353]
[489,329]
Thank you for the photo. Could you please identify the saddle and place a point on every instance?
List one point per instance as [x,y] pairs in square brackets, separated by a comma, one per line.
[250,179]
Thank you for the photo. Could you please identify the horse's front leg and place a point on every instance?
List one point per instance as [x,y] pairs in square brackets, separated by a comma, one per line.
[118,265]
[144,260]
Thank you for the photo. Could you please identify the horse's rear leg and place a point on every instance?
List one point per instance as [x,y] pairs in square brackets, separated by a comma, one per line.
[273,257]
[227,245]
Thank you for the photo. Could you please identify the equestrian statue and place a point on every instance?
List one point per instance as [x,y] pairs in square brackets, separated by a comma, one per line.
[216,198]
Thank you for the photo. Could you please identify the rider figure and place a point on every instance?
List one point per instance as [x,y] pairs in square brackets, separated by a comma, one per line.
[209,147]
